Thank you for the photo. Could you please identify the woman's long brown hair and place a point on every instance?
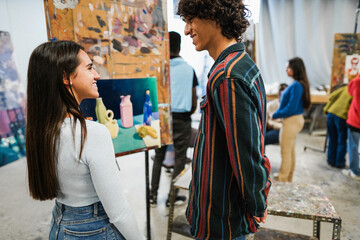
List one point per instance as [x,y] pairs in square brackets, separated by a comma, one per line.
[299,74]
[48,103]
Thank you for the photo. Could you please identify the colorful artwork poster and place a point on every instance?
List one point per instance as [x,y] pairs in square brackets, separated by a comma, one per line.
[126,39]
[133,122]
[12,105]
[352,67]
[344,45]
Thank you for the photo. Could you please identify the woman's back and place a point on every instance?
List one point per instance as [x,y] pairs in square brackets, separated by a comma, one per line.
[95,177]
[76,187]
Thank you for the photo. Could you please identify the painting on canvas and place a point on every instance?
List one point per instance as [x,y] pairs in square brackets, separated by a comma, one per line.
[352,67]
[345,45]
[127,40]
[131,112]
[12,105]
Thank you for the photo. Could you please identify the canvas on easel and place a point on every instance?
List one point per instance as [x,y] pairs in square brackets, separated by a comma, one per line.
[345,58]
[12,105]
[352,67]
[128,43]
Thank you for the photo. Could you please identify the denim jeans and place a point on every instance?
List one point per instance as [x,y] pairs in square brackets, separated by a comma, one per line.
[354,138]
[243,237]
[89,222]
[337,133]
[272,136]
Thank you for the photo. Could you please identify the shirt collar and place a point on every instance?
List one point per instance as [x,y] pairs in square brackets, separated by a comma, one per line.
[237,47]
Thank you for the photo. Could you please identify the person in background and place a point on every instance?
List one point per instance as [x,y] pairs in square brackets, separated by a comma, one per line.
[183,81]
[353,124]
[273,125]
[337,110]
[70,158]
[230,172]
[294,100]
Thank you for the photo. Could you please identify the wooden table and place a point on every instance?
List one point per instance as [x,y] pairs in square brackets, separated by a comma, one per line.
[315,98]
[303,201]
[318,101]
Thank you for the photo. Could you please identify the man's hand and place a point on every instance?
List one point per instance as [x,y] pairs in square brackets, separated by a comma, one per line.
[261,219]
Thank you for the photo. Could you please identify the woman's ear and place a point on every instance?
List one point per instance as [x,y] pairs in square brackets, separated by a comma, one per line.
[66,79]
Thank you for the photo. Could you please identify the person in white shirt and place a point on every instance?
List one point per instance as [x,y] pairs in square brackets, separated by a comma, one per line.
[273,125]
[70,158]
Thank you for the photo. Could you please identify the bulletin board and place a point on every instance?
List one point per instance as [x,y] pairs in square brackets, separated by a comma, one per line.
[346,56]
[126,40]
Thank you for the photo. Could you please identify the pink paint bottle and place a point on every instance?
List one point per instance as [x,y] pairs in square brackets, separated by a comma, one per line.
[126,112]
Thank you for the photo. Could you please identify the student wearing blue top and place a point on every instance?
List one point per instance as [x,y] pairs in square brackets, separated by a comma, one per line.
[294,100]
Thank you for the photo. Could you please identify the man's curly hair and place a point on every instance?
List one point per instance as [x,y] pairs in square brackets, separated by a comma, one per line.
[231,15]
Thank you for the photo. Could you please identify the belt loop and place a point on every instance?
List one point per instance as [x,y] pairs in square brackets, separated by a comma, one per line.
[96,209]
[59,209]
[62,207]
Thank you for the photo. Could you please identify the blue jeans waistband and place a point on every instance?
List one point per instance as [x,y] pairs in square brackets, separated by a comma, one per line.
[83,222]
[95,208]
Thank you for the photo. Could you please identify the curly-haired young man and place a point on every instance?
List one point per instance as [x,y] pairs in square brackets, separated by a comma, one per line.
[230,176]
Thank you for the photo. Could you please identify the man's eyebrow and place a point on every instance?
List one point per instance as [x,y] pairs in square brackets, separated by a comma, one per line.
[90,64]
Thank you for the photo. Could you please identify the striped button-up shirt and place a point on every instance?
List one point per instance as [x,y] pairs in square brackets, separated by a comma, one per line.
[230,172]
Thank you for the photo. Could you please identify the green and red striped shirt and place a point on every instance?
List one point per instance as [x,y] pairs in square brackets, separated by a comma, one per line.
[230,172]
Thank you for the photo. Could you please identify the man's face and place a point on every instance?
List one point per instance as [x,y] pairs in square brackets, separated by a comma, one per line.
[203,33]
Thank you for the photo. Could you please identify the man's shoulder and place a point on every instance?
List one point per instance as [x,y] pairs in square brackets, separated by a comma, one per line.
[180,63]
[240,65]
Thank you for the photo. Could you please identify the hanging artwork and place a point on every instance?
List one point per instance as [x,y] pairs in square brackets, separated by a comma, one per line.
[128,43]
[12,104]
[345,63]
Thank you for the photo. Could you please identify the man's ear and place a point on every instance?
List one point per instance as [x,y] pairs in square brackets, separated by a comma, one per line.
[66,79]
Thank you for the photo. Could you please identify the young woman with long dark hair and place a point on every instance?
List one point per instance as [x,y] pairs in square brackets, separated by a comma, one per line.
[294,99]
[70,158]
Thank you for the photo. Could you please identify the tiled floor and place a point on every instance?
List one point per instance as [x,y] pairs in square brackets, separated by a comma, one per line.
[24,218]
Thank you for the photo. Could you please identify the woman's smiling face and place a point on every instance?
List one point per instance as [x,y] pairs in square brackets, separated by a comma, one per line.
[83,81]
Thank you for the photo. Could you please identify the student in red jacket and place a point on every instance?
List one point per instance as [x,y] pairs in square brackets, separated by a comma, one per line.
[353,124]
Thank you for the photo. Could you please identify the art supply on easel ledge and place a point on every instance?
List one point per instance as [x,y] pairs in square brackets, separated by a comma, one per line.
[147,110]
